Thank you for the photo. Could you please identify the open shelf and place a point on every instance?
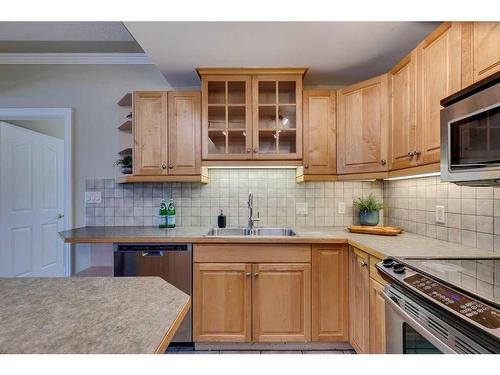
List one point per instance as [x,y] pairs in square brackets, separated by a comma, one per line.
[126,101]
[125,151]
[126,125]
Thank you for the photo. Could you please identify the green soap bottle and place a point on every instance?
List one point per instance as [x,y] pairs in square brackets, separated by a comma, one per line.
[171,214]
[163,214]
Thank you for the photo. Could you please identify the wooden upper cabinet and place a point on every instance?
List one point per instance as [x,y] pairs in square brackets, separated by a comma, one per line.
[362,126]
[222,301]
[359,296]
[150,132]
[319,132]
[439,75]
[480,50]
[226,117]
[282,302]
[330,299]
[277,117]
[402,81]
[184,133]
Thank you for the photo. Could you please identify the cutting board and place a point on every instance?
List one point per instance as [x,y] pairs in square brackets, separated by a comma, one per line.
[382,231]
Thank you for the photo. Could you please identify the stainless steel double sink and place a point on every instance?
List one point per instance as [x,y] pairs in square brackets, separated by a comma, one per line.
[263,232]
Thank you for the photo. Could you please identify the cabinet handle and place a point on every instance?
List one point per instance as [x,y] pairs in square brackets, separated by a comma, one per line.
[383,162]
[256,274]
[163,166]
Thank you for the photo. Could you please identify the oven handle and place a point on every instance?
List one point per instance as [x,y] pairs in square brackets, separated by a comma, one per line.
[439,344]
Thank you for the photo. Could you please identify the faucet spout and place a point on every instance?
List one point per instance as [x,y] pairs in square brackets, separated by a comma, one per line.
[251,219]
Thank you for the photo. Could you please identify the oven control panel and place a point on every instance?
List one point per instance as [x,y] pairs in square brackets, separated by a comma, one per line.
[472,309]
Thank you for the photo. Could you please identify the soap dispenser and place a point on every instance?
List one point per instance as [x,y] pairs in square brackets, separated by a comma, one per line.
[221,220]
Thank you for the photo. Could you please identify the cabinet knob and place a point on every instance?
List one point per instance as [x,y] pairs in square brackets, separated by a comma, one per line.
[256,274]
[254,150]
[306,166]
[163,166]
[416,153]
[363,264]
[170,166]
[248,274]
[411,154]
[249,150]
[383,162]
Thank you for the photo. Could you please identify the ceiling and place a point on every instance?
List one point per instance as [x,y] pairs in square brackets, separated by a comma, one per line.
[336,53]
[66,37]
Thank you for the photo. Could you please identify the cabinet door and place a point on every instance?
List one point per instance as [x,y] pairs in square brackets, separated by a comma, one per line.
[184,133]
[480,50]
[281,302]
[362,127]
[359,295]
[319,132]
[377,318]
[403,113]
[226,118]
[150,133]
[222,302]
[439,63]
[330,314]
[277,117]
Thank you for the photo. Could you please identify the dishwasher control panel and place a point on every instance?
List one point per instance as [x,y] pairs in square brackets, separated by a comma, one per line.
[153,247]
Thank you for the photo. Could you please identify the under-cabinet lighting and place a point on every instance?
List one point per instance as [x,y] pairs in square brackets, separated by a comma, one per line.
[251,167]
[413,176]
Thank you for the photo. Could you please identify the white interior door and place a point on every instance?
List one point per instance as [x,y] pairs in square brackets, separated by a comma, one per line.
[31,203]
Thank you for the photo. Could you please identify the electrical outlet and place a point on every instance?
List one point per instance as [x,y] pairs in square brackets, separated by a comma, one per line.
[341,208]
[440,219]
[301,208]
[93,197]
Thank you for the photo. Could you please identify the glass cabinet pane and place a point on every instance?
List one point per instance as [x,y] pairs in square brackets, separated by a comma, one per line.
[286,92]
[268,142]
[217,141]
[216,117]
[287,117]
[236,92]
[216,92]
[267,92]
[236,117]
[287,142]
[236,141]
[267,117]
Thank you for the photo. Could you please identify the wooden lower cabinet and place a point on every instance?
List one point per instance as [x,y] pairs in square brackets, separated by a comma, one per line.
[282,302]
[222,303]
[330,294]
[377,318]
[359,296]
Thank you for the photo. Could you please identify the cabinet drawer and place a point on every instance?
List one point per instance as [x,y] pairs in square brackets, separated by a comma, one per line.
[252,253]
[374,274]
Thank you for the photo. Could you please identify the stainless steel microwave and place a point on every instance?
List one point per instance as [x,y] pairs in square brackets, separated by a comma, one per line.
[470,135]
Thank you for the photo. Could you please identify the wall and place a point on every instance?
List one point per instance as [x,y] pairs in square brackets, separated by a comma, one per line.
[472,214]
[54,128]
[275,196]
[92,91]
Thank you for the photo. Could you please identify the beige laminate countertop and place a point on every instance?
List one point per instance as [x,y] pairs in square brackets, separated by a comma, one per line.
[89,314]
[403,245]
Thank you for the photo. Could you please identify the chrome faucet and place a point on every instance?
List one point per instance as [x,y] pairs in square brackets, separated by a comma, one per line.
[251,219]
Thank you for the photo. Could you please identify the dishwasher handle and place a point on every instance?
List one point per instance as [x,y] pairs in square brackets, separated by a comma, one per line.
[152,253]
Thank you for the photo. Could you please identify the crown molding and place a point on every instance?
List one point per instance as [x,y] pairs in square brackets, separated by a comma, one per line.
[75,58]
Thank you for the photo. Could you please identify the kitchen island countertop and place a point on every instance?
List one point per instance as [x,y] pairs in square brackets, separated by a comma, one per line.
[403,245]
[96,315]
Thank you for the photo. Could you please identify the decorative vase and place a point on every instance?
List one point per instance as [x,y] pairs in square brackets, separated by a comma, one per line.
[370,218]
[126,170]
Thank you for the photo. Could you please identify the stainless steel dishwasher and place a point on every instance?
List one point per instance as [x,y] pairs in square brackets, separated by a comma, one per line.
[171,262]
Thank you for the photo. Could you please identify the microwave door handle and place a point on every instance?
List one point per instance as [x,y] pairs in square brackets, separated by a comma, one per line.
[416,325]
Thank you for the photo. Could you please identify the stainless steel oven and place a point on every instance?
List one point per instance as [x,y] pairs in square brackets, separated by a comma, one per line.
[470,135]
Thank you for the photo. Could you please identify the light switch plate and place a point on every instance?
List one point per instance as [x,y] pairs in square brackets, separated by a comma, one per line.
[301,208]
[341,208]
[93,197]
[440,219]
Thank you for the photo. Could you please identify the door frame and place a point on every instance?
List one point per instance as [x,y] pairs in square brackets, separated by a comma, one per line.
[66,115]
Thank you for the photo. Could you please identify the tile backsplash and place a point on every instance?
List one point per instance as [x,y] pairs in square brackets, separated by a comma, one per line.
[472,214]
[275,197]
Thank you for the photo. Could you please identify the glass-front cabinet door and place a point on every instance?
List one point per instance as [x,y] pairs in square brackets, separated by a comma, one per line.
[226,117]
[277,117]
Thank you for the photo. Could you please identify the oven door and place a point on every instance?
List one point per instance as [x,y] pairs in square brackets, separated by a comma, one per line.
[405,335]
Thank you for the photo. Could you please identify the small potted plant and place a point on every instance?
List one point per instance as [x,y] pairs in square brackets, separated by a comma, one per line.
[126,164]
[368,209]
